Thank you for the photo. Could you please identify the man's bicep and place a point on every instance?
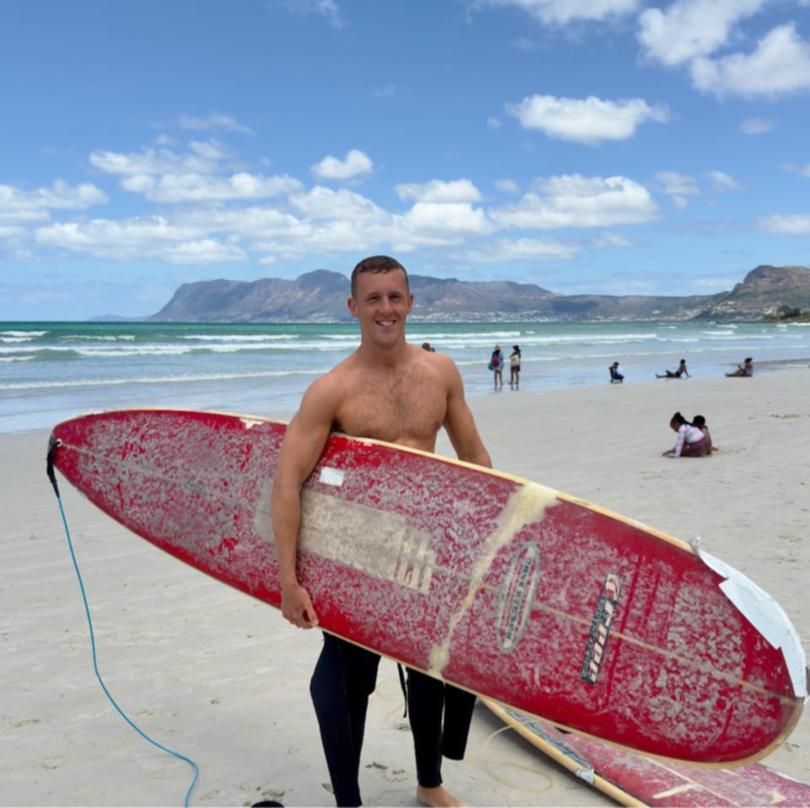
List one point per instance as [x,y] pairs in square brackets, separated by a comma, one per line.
[460,425]
[306,436]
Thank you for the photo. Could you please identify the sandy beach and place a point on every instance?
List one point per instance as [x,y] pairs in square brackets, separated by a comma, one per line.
[223,679]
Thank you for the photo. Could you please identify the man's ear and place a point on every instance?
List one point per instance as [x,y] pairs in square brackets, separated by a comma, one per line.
[352,304]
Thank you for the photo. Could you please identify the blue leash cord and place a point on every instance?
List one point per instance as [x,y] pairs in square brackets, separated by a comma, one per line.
[51,450]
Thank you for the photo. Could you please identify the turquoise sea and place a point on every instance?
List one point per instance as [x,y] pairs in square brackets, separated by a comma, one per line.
[51,371]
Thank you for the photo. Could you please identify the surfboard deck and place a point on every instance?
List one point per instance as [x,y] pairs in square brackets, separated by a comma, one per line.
[501,586]
[634,780]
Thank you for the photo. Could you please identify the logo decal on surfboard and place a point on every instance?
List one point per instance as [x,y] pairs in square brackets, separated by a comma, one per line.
[516,597]
[600,628]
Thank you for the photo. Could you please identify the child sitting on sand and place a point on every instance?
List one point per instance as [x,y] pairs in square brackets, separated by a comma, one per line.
[700,422]
[691,442]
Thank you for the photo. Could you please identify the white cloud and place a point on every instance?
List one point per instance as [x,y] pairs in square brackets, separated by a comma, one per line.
[791,224]
[446,219]
[203,251]
[560,12]
[324,8]
[439,191]
[507,186]
[320,203]
[612,240]
[202,188]
[493,122]
[19,205]
[780,64]
[802,171]
[724,182]
[145,237]
[676,184]
[214,121]
[577,201]
[354,164]
[691,28]
[589,120]
[756,126]
[255,223]
[524,249]
[155,161]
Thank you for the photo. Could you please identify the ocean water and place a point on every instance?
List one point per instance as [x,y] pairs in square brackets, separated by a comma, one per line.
[52,371]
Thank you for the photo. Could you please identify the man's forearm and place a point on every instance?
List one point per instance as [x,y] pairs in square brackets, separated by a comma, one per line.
[286,510]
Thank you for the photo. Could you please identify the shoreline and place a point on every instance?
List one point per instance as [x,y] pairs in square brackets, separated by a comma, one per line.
[767,366]
[223,679]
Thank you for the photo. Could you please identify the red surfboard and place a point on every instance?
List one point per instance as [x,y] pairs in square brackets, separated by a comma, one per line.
[637,780]
[504,587]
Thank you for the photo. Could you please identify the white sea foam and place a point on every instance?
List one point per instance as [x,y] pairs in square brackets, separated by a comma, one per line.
[96,338]
[183,378]
[26,334]
[239,337]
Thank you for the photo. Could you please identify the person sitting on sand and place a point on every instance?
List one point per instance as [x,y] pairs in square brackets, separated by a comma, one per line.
[745,369]
[616,375]
[691,441]
[426,346]
[675,374]
[700,422]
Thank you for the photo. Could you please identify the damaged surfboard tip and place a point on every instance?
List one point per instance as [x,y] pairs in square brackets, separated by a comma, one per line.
[766,615]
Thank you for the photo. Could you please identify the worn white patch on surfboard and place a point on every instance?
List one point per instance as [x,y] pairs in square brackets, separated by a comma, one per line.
[356,535]
[249,423]
[526,505]
[765,614]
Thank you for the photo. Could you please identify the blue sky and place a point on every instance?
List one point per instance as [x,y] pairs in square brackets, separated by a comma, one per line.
[611,146]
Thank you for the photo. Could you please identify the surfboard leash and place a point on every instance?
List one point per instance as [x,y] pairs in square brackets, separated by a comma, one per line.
[53,445]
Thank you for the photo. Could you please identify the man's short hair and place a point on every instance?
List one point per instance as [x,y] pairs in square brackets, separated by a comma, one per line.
[376,264]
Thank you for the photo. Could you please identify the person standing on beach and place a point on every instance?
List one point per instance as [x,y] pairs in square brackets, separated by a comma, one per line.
[392,391]
[496,366]
[514,367]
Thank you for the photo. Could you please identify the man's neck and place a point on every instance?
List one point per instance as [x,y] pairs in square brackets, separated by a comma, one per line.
[388,356]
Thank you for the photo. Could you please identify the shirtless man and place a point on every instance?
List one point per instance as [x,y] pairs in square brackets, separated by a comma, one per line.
[393,391]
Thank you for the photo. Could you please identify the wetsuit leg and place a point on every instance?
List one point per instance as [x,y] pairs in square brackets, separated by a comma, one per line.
[458,711]
[440,722]
[344,678]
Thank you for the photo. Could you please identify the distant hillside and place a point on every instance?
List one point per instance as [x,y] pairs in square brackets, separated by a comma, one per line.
[320,296]
[763,292]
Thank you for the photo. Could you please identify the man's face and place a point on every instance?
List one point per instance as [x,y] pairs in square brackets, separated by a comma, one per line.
[381,304]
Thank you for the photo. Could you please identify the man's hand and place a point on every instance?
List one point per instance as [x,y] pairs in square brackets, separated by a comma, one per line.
[296,606]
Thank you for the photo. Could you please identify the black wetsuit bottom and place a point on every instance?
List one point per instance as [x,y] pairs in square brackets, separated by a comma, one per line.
[344,678]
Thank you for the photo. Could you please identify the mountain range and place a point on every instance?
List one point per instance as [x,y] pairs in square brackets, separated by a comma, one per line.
[320,296]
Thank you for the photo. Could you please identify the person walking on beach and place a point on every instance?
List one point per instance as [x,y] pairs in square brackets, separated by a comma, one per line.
[514,367]
[691,441]
[676,374]
[496,366]
[397,392]
[746,369]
